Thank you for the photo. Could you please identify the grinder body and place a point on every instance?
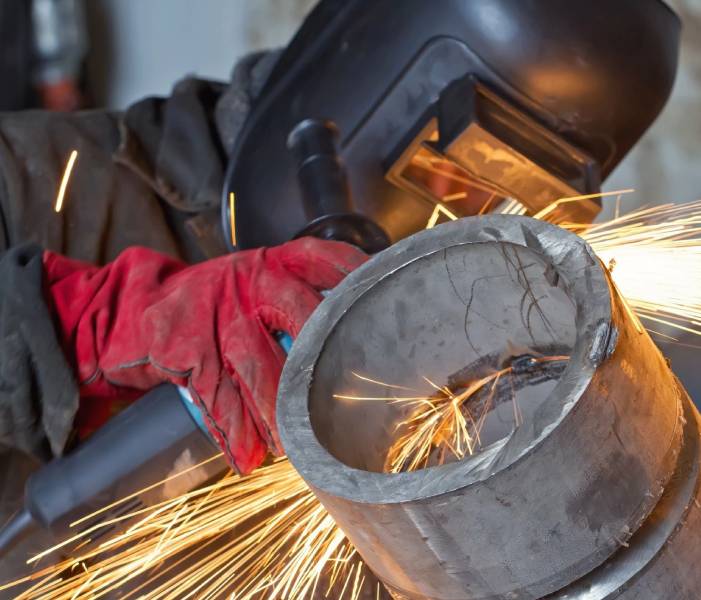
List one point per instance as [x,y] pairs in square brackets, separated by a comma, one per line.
[118,470]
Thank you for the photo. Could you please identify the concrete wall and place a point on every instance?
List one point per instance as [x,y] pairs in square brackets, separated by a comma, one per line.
[141,47]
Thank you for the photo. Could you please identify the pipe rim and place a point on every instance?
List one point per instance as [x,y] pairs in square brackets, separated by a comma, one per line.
[588,286]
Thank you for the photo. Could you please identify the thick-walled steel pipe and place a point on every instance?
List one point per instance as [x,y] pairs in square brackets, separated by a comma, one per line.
[585,496]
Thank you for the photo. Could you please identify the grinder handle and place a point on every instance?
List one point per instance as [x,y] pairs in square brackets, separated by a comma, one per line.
[325,191]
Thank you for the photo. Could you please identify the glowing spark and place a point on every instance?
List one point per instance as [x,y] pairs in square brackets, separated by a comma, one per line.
[388,385]
[437,211]
[64,181]
[455,196]
[232,217]
[545,212]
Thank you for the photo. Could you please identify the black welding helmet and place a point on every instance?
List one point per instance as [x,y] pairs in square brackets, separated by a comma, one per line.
[382,114]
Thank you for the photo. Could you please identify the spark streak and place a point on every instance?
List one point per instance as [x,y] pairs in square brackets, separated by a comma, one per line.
[58,206]
[232,217]
[545,213]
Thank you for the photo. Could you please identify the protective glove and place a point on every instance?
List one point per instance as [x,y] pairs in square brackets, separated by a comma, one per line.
[146,319]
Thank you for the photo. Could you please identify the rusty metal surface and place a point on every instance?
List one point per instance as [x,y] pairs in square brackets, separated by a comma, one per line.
[536,511]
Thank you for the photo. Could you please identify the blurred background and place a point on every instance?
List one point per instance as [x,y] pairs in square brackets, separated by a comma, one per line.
[664,166]
[142,48]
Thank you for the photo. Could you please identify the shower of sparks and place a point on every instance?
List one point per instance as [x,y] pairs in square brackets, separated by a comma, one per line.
[654,255]
[262,536]
[58,206]
[441,424]
[266,535]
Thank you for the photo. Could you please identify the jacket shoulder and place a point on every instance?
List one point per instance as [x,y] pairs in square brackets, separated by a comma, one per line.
[105,207]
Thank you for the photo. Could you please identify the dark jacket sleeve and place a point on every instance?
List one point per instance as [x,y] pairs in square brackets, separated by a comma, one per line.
[38,394]
[106,208]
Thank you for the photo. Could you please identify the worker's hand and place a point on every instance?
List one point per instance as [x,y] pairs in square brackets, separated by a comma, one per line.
[146,319]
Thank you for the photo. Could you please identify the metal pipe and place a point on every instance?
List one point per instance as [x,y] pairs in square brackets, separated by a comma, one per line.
[543,504]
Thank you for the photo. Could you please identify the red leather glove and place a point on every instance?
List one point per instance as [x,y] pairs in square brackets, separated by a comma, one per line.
[146,319]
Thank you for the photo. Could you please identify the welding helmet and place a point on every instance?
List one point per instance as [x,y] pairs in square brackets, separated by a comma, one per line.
[380,114]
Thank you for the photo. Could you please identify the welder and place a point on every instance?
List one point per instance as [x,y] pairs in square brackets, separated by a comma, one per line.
[171,304]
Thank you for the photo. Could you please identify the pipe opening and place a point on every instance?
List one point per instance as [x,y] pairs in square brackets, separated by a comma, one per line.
[393,363]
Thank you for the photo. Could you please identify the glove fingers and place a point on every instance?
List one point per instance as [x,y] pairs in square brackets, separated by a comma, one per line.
[256,367]
[322,264]
[231,424]
[284,302]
